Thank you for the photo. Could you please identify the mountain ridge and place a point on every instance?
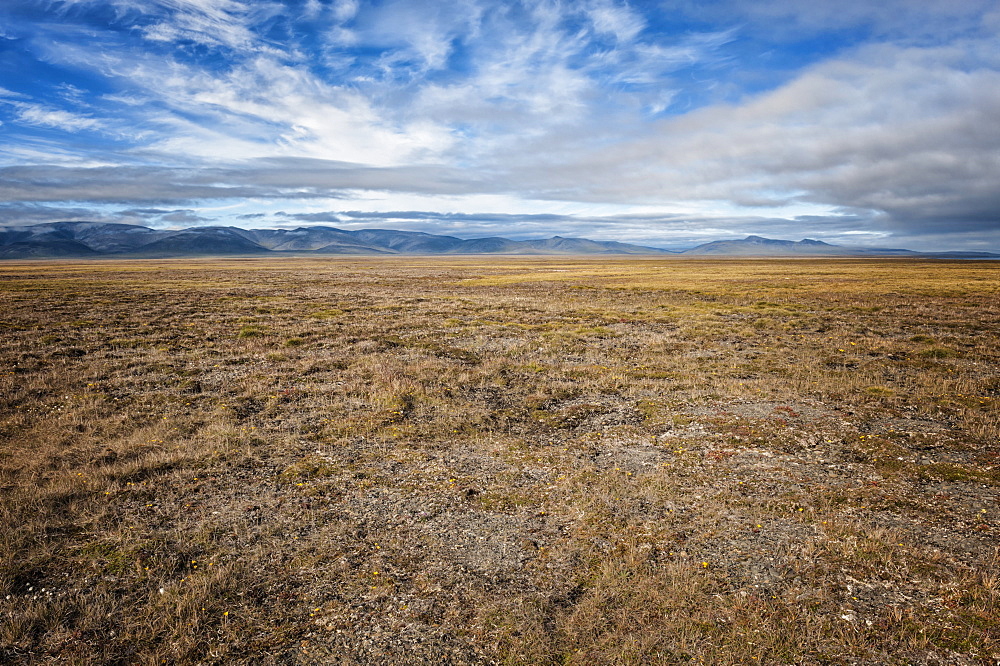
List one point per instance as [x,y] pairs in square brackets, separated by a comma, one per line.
[91,239]
[78,239]
[760,246]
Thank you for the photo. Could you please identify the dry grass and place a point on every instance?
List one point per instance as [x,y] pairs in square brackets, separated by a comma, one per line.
[466,460]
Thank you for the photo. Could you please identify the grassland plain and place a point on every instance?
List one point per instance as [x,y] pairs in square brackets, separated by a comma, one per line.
[519,461]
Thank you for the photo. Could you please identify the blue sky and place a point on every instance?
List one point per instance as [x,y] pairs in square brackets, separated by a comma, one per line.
[666,123]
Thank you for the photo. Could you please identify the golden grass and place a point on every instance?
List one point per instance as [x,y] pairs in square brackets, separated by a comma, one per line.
[523,460]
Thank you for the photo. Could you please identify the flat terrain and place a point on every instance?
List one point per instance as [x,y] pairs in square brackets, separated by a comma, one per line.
[523,461]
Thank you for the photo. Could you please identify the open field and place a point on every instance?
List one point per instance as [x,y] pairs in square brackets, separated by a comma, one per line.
[524,461]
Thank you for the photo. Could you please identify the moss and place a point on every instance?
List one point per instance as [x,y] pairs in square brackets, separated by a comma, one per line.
[249,331]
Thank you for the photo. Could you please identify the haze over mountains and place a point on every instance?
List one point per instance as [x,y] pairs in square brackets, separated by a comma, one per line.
[757,246]
[97,239]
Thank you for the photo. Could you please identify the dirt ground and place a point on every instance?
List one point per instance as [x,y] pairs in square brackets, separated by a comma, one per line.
[499,461]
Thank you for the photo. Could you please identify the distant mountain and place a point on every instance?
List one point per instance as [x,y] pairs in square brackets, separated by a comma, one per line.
[756,246]
[71,239]
[560,245]
[407,242]
[96,239]
[45,248]
[307,239]
[201,241]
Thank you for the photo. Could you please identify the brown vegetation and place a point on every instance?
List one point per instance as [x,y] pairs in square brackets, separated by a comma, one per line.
[537,461]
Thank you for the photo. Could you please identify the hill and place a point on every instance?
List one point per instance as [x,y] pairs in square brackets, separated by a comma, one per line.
[79,239]
[758,246]
[96,239]
[769,247]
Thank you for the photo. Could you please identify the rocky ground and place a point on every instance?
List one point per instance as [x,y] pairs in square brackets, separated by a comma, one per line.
[514,461]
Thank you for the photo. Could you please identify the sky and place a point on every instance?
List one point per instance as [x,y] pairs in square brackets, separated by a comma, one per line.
[663,123]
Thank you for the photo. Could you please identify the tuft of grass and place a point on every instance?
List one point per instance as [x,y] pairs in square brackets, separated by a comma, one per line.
[249,331]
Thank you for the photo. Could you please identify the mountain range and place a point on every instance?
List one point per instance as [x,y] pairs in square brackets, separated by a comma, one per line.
[99,239]
[757,246]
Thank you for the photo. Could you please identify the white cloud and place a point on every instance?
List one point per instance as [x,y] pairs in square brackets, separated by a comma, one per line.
[527,77]
[265,108]
[344,10]
[612,18]
[547,78]
[904,131]
[210,22]
[42,116]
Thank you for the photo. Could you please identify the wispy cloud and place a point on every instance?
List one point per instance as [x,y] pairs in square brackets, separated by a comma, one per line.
[207,22]
[41,116]
[619,20]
